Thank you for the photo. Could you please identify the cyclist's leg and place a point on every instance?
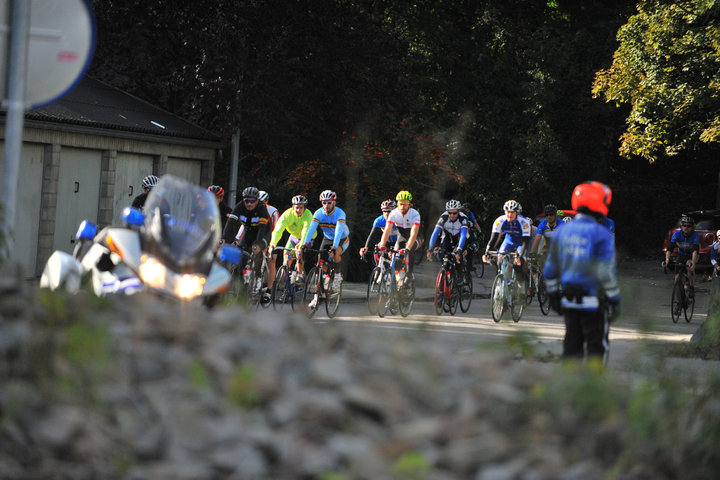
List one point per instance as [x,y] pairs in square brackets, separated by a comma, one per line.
[299,264]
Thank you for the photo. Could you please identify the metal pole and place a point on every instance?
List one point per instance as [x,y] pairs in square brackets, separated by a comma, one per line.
[234,156]
[17,69]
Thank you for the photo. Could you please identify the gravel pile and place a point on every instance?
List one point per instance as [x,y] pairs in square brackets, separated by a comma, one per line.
[142,388]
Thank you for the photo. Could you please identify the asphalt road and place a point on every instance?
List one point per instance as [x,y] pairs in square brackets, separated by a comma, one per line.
[644,325]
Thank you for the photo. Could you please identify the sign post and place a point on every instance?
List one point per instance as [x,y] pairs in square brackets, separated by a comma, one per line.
[50,46]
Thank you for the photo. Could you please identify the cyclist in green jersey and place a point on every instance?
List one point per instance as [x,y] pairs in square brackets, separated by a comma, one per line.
[296,220]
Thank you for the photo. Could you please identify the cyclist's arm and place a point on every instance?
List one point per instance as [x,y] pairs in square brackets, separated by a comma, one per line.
[310,232]
[375,230]
[434,236]
[463,237]
[536,243]
[339,230]
[386,233]
[413,236]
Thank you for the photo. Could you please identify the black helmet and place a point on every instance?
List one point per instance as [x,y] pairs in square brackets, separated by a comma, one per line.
[550,209]
[687,219]
[251,192]
[216,190]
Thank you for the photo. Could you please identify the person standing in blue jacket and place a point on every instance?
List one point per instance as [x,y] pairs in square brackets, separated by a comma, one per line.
[580,274]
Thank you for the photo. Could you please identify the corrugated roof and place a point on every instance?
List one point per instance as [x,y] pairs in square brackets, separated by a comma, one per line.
[93,103]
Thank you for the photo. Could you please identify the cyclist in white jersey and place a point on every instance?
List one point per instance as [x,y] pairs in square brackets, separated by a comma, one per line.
[407,221]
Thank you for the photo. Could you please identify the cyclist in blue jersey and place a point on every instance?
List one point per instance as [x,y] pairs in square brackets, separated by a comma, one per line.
[453,227]
[331,220]
[714,249]
[516,229]
[687,242]
[379,225]
[580,274]
[547,229]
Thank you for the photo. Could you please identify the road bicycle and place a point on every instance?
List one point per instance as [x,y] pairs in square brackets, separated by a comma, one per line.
[477,239]
[286,289]
[319,286]
[537,286]
[396,289]
[247,284]
[382,263]
[508,292]
[681,300]
[453,285]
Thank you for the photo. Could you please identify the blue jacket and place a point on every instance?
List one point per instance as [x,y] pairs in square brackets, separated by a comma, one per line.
[582,257]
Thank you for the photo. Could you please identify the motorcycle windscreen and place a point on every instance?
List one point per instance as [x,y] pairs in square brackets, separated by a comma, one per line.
[182,226]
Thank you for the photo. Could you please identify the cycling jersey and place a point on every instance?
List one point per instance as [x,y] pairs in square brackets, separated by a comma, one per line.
[379,225]
[456,230]
[515,232]
[685,245]
[581,261]
[296,226]
[332,225]
[714,249]
[548,231]
[273,215]
[255,224]
[404,223]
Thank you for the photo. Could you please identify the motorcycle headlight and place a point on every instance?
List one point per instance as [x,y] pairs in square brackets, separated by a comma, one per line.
[152,272]
[189,286]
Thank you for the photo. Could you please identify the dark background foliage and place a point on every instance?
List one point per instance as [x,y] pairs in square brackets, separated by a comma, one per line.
[471,99]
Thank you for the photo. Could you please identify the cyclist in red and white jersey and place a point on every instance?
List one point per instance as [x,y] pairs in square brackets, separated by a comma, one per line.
[407,221]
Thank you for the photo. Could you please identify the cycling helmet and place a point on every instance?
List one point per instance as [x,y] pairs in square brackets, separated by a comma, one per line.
[550,209]
[594,196]
[467,207]
[251,192]
[149,181]
[687,219]
[388,205]
[299,200]
[403,196]
[263,196]
[328,195]
[512,206]
[717,234]
[216,190]
[453,205]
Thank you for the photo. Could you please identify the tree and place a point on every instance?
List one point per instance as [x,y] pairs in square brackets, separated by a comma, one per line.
[667,69]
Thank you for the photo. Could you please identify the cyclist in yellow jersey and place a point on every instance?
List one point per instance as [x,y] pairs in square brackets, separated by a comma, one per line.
[296,220]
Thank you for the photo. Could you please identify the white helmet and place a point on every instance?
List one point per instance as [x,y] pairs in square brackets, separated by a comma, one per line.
[453,205]
[263,196]
[512,206]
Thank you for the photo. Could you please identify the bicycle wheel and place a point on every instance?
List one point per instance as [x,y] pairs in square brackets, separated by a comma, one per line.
[531,287]
[281,292]
[519,302]
[466,291]
[497,297]
[480,269]
[440,292]
[676,304]
[689,308]
[452,294]
[542,295]
[311,295]
[406,297]
[383,293]
[372,289]
[265,299]
[332,297]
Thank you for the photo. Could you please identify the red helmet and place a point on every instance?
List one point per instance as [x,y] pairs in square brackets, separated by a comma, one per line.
[594,196]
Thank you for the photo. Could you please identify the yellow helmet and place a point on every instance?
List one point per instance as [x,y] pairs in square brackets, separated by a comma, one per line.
[404,196]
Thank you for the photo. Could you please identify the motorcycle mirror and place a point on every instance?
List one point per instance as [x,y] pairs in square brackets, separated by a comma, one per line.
[86,231]
[133,216]
[231,254]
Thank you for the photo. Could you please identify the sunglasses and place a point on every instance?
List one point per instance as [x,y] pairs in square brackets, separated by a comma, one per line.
[685,225]
[453,213]
[250,200]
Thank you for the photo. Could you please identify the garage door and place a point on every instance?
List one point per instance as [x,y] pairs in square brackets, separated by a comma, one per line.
[187,169]
[130,169]
[78,193]
[27,207]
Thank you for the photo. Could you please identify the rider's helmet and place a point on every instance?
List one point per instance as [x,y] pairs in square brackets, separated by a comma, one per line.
[299,200]
[328,195]
[467,207]
[263,196]
[388,205]
[251,192]
[453,205]
[594,196]
[512,206]
[216,190]
[687,220]
[550,209]
[403,196]
[149,181]
[717,234]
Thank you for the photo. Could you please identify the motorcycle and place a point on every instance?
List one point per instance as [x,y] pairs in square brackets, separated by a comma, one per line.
[169,250]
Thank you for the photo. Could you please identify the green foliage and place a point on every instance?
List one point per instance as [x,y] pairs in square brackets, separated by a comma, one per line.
[411,465]
[198,375]
[241,389]
[666,69]
[522,342]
